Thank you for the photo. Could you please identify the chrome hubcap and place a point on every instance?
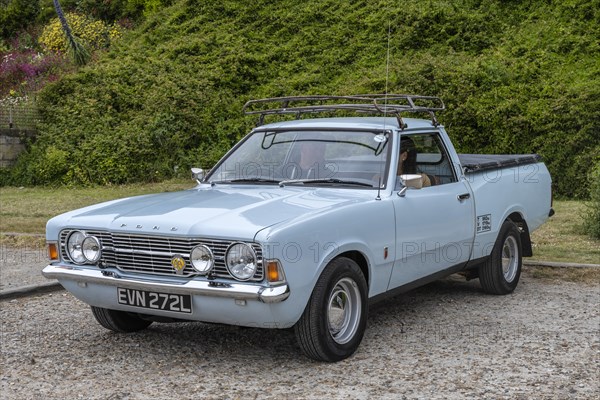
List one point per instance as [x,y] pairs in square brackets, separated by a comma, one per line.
[343,310]
[510,259]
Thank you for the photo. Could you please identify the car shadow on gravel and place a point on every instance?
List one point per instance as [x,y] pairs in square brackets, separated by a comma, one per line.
[440,290]
[205,343]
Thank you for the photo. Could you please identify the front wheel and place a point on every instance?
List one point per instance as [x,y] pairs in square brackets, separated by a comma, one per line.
[333,323]
[500,273]
[119,321]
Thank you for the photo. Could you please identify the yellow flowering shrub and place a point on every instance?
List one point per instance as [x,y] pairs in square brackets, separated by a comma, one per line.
[93,33]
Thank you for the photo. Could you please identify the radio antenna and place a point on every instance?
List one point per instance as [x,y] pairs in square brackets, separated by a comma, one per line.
[387,65]
[385,101]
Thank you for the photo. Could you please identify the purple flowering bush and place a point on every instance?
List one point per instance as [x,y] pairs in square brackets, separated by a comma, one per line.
[27,70]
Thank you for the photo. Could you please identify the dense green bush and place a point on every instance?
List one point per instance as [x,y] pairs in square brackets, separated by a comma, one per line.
[16,15]
[592,214]
[106,10]
[516,78]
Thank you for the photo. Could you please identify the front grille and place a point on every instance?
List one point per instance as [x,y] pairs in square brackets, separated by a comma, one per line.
[153,254]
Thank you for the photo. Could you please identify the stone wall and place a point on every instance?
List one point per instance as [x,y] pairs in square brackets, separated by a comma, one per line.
[12,143]
[17,124]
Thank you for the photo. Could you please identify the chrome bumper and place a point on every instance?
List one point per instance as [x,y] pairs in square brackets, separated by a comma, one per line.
[113,277]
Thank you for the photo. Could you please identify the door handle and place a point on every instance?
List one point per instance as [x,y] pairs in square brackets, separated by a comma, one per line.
[464,196]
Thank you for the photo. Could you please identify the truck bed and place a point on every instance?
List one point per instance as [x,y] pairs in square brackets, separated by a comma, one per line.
[484,162]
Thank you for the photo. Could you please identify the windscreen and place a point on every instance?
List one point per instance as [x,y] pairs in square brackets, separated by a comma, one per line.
[309,157]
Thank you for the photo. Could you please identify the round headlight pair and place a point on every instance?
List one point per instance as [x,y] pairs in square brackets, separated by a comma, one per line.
[241,261]
[82,248]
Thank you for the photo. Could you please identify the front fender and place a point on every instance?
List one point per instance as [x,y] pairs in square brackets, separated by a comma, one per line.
[306,247]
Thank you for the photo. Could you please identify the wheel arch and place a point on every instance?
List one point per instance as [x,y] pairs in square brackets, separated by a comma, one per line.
[334,320]
[362,262]
[519,220]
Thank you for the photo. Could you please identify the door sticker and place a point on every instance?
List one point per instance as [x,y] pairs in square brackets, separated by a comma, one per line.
[484,223]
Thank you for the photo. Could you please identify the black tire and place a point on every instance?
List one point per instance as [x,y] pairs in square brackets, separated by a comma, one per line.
[501,272]
[119,321]
[334,320]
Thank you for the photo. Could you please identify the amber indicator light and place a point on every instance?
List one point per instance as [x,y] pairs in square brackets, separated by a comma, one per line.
[53,251]
[272,272]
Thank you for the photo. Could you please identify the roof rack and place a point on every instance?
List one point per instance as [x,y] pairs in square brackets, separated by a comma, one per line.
[390,104]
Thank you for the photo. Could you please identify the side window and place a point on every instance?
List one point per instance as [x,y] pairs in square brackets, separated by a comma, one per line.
[425,154]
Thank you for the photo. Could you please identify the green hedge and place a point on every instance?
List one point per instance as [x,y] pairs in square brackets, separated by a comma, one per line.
[516,78]
[16,15]
[592,213]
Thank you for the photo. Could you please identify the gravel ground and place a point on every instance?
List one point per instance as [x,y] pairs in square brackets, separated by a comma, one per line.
[445,340]
[22,267]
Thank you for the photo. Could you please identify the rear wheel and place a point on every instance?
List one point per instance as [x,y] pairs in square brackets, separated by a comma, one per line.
[119,321]
[333,323]
[501,272]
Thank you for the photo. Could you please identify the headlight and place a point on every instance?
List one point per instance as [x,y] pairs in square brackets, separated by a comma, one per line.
[241,261]
[202,259]
[74,243]
[91,249]
[82,248]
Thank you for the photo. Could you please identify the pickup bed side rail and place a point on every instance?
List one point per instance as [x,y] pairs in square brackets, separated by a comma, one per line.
[484,162]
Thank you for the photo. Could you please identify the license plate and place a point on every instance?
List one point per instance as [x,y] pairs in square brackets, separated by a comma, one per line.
[181,303]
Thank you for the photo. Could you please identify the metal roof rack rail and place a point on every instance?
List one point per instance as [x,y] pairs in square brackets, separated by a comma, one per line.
[390,104]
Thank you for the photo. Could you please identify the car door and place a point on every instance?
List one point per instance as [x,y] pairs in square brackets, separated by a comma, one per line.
[434,224]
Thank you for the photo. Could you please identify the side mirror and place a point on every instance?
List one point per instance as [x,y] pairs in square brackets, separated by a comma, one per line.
[405,181]
[198,174]
[414,181]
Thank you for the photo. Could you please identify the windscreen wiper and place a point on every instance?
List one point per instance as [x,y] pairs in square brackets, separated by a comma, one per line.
[328,180]
[247,180]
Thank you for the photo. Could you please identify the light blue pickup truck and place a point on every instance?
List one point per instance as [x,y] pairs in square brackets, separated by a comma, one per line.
[305,222]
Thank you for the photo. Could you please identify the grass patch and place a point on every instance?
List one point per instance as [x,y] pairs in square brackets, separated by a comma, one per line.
[26,210]
[22,241]
[562,237]
[579,275]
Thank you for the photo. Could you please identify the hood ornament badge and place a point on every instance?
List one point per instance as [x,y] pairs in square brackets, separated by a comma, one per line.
[178,264]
